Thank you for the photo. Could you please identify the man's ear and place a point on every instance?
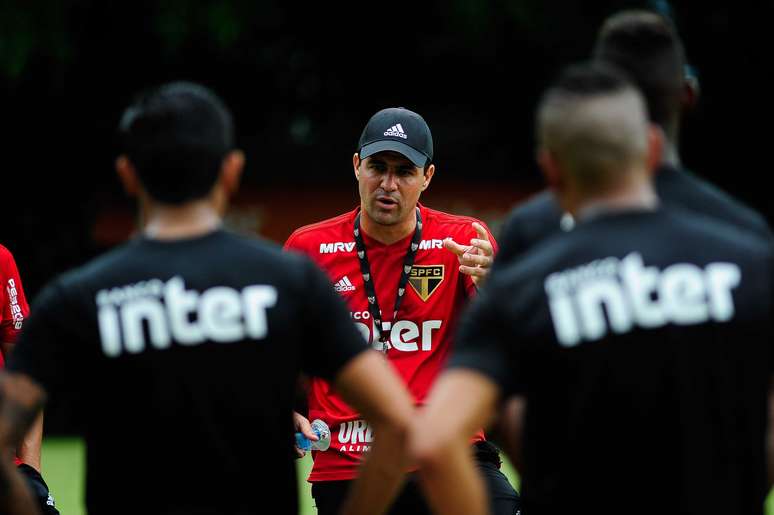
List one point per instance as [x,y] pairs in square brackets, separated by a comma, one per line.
[655,148]
[550,169]
[231,171]
[127,175]
[428,176]
[356,165]
[691,92]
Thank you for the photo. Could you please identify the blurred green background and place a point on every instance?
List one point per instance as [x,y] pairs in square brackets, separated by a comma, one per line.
[63,468]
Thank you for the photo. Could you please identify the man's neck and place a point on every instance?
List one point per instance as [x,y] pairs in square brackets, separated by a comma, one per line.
[172,222]
[634,197]
[388,234]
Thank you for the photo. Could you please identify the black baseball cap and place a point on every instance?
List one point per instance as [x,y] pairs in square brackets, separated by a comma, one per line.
[399,130]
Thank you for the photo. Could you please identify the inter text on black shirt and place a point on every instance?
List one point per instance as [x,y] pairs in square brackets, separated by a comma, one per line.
[180,360]
[642,344]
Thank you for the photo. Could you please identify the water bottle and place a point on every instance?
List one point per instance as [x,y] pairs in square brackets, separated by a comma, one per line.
[322,431]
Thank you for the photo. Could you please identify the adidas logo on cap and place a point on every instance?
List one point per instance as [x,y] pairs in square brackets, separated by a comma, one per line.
[343,284]
[396,130]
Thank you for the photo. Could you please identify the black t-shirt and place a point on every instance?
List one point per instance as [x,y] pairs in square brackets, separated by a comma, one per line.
[642,343]
[541,216]
[180,361]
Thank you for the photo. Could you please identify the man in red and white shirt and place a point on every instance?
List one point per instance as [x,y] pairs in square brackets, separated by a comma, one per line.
[14,311]
[406,279]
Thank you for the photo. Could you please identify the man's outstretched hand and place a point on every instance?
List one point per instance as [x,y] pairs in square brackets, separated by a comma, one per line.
[475,259]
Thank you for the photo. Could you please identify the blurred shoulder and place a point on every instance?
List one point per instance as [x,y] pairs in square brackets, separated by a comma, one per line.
[313,234]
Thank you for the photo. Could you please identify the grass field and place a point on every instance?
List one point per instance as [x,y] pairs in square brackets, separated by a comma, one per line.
[63,467]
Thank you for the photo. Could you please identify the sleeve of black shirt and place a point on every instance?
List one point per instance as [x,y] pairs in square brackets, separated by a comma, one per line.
[485,342]
[48,349]
[527,224]
[332,339]
[511,241]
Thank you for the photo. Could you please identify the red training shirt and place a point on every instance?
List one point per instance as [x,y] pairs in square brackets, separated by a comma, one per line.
[421,336]
[14,303]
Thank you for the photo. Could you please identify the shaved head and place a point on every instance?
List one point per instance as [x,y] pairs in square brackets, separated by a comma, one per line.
[594,124]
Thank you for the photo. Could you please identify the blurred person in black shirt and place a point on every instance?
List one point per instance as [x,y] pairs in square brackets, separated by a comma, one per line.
[640,342]
[178,352]
[648,48]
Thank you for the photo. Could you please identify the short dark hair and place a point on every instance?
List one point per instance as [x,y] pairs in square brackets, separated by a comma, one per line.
[646,46]
[176,136]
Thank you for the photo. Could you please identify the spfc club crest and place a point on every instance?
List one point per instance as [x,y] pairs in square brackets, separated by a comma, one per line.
[425,279]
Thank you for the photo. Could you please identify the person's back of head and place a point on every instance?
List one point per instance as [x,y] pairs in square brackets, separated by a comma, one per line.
[593,131]
[646,46]
[176,137]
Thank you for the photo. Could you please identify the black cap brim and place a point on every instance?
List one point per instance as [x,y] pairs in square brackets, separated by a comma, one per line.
[413,155]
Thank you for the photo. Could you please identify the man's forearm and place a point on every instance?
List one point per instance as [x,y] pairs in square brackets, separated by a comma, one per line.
[369,383]
[15,496]
[460,402]
[381,475]
[29,448]
[452,484]
[511,426]
[21,400]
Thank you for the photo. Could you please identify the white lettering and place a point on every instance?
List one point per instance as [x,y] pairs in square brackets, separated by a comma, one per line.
[353,434]
[682,294]
[345,432]
[13,301]
[427,333]
[402,334]
[398,134]
[358,431]
[339,246]
[353,448]
[565,322]
[153,312]
[133,317]
[109,330]
[180,303]
[404,329]
[220,315]
[597,297]
[641,282]
[430,244]
[721,279]
[364,330]
[256,300]
[615,295]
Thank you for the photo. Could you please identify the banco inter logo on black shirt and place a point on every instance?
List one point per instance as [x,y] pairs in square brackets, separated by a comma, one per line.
[632,294]
[171,313]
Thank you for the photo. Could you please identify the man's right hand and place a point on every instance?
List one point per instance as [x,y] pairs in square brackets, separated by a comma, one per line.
[302,425]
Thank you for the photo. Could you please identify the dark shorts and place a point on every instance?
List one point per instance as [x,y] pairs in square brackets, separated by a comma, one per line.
[39,490]
[330,495]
